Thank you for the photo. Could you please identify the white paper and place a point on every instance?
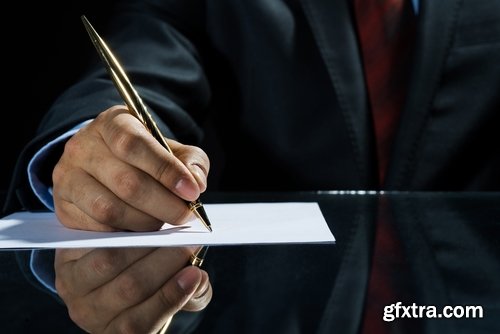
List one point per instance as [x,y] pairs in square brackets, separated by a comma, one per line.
[233,224]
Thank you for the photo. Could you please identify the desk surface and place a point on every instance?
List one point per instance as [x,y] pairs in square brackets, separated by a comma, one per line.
[449,256]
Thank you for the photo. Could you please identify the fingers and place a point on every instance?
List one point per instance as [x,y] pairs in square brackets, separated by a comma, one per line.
[135,188]
[83,203]
[195,159]
[114,175]
[110,290]
[88,269]
[129,140]
[150,315]
[202,295]
[141,280]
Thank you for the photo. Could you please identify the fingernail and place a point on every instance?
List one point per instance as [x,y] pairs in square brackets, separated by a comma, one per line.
[188,280]
[186,189]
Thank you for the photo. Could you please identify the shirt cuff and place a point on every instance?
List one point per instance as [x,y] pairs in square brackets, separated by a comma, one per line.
[41,190]
[42,266]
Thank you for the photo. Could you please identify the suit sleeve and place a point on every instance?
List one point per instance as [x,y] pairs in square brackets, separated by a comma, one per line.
[156,42]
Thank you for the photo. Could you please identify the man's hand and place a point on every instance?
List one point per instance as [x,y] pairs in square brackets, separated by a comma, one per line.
[132,290]
[113,175]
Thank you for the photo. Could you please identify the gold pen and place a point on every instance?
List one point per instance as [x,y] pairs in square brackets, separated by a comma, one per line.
[138,109]
[135,105]
[196,259]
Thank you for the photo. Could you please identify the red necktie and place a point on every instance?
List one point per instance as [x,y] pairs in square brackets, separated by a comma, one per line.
[390,278]
[386,30]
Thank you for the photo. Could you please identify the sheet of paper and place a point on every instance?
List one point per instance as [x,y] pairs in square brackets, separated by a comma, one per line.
[233,224]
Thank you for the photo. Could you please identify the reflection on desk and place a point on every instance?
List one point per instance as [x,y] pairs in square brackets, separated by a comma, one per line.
[451,250]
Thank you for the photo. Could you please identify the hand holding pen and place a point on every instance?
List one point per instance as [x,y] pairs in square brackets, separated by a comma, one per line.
[139,110]
[114,175]
[119,173]
[136,107]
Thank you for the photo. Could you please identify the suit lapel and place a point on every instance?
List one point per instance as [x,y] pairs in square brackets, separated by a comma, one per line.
[436,25]
[333,29]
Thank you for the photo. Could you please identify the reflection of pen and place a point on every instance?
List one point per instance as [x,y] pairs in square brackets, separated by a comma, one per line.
[136,106]
[196,259]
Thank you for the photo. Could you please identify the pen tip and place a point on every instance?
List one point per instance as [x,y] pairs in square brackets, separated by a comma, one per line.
[202,215]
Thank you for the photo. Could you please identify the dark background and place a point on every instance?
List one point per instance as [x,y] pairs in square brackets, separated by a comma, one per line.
[44,49]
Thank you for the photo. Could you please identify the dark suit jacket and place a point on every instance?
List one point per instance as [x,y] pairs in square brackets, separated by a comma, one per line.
[281,83]
[449,243]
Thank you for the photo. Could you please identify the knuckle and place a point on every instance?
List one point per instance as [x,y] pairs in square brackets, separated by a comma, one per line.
[103,116]
[106,263]
[80,313]
[130,288]
[72,146]
[125,142]
[104,210]
[129,185]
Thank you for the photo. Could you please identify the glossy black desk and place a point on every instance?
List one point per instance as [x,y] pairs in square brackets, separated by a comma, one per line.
[450,251]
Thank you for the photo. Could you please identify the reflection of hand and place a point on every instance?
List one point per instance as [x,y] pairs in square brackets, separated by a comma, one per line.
[113,175]
[130,290]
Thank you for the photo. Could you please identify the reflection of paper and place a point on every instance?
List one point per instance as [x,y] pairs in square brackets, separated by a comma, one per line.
[247,223]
